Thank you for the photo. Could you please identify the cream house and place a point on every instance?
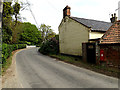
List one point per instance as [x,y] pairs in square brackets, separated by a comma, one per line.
[73,31]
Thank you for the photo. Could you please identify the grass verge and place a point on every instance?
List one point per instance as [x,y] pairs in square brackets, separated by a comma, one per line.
[0,69]
[110,71]
[7,64]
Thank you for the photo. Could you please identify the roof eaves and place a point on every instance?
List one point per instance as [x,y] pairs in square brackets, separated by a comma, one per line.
[109,43]
[98,30]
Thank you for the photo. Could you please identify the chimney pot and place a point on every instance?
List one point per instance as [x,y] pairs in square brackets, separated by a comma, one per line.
[114,18]
[112,15]
[66,11]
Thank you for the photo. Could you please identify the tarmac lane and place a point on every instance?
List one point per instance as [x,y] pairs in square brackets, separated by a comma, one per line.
[35,70]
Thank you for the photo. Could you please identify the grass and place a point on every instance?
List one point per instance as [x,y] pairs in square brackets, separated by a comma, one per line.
[110,71]
[0,69]
[7,64]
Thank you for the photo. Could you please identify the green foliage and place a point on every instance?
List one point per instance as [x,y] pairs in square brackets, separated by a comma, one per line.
[7,50]
[46,32]
[21,46]
[14,31]
[7,24]
[30,34]
[7,9]
[6,37]
[50,46]
[16,8]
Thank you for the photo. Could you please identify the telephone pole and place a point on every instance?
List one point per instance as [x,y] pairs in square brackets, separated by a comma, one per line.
[1,9]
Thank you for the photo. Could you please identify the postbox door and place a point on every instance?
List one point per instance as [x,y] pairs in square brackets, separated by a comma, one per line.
[102,55]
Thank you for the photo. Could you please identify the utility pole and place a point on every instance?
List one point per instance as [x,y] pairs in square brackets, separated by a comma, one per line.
[32,14]
[1,9]
[118,9]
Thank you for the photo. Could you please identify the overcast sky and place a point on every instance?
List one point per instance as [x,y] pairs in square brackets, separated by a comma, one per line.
[50,12]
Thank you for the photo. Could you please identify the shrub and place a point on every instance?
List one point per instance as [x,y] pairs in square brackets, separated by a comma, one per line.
[20,46]
[50,46]
[7,50]
[15,47]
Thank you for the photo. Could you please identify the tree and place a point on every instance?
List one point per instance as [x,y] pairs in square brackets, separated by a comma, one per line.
[46,32]
[29,34]
[7,10]
[15,31]
[7,22]
[16,8]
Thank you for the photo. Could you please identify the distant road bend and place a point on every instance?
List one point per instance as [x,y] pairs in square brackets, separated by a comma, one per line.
[35,70]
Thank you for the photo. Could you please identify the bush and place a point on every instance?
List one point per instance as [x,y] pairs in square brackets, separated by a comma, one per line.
[7,50]
[15,47]
[21,46]
[50,46]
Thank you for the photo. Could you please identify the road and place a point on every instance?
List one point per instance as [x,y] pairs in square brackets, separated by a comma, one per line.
[35,70]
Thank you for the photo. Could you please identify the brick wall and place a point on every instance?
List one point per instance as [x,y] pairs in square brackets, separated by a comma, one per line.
[111,53]
[84,52]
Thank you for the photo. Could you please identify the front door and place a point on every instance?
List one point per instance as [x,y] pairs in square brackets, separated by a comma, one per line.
[91,56]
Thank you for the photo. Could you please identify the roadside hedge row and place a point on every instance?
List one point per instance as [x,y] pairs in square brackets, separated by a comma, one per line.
[7,50]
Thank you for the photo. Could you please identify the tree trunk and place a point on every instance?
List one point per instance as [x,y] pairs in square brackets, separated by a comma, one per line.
[16,19]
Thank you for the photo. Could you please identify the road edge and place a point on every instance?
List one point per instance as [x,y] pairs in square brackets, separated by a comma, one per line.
[10,79]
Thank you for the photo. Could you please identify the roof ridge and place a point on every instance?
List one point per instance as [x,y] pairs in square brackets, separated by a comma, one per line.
[93,24]
[90,19]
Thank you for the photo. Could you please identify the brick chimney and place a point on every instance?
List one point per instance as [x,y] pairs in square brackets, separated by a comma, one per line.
[114,18]
[66,11]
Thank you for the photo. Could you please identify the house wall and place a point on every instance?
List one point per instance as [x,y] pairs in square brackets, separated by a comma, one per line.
[94,35]
[71,36]
[111,53]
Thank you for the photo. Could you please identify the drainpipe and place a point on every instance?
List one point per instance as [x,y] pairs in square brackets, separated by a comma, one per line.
[89,31]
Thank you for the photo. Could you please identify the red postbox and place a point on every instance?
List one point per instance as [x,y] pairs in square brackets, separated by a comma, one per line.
[102,55]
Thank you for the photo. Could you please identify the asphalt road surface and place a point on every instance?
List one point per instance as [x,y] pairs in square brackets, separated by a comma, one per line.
[35,70]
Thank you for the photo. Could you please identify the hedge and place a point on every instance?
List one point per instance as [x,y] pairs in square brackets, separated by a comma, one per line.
[7,50]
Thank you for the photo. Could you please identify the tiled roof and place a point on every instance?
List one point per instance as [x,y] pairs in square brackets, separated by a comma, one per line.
[94,24]
[112,35]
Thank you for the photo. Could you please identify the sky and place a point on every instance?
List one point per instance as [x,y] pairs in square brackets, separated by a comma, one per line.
[50,12]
